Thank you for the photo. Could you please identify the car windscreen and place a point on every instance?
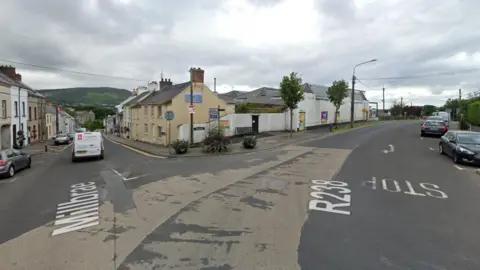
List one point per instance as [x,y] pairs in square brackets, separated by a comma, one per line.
[435,118]
[61,136]
[435,123]
[468,138]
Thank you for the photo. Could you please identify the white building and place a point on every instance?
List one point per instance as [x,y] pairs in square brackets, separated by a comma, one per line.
[66,123]
[19,106]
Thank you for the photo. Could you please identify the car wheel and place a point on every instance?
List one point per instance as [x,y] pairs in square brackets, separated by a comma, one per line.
[11,171]
[456,160]
[73,158]
[29,164]
[440,149]
[422,134]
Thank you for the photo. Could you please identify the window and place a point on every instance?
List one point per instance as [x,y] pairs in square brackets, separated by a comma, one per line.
[146,128]
[29,112]
[159,110]
[35,113]
[159,131]
[4,108]
[21,127]
[23,108]
[145,109]
[16,108]
[10,153]
[153,111]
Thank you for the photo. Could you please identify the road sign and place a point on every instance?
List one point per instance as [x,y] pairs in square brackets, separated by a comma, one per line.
[191,109]
[448,110]
[169,115]
[213,113]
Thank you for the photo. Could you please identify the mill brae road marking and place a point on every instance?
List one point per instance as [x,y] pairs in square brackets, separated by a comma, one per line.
[81,211]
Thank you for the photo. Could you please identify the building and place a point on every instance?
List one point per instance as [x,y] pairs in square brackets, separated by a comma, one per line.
[148,114]
[261,100]
[36,117]
[85,116]
[138,94]
[66,123]
[229,98]
[51,119]
[6,114]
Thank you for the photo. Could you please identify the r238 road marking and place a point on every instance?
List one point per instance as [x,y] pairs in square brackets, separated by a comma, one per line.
[391,185]
[323,198]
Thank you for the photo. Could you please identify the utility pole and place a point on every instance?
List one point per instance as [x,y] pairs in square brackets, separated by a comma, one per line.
[383,98]
[56,120]
[401,106]
[352,104]
[215,85]
[191,104]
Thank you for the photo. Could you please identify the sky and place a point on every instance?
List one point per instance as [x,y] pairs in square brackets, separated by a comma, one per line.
[247,44]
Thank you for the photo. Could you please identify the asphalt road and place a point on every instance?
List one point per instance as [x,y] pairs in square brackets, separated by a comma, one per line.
[408,208]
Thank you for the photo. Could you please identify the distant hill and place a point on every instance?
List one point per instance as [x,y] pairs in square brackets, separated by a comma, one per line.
[97,96]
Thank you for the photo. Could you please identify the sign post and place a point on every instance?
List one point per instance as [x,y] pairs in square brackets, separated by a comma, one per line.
[218,117]
[169,116]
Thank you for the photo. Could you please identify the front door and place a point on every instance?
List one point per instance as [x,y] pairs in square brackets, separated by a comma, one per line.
[255,124]
[301,121]
[14,131]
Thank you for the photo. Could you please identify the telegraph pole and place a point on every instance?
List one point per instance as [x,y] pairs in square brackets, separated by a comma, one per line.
[401,106]
[56,120]
[383,100]
[352,104]
[191,104]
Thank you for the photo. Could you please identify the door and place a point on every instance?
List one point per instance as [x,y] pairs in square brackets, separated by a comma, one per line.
[255,123]
[14,132]
[450,145]
[20,159]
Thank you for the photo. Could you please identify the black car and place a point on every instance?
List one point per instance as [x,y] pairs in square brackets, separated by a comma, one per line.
[461,146]
[433,127]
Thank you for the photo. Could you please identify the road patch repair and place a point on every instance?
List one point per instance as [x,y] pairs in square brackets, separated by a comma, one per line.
[82,211]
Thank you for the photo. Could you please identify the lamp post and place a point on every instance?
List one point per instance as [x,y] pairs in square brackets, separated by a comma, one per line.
[352,105]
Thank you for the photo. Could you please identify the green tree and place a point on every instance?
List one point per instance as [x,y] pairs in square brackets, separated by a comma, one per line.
[94,125]
[291,92]
[242,108]
[396,109]
[429,109]
[336,94]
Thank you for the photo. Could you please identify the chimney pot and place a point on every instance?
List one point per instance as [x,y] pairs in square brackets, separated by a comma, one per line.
[9,71]
[165,83]
[18,77]
[197,75]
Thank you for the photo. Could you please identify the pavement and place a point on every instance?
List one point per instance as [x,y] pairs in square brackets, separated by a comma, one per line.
[377,197]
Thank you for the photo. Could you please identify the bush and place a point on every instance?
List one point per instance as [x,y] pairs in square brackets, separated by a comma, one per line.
[464,124]
[215,142]
[249,142]
[180,146]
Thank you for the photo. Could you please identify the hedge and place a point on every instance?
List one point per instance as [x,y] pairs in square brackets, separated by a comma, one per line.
[473,113]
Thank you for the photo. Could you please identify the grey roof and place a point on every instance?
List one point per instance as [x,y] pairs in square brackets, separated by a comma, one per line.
[51,109]
[166,94]
[264,95]
[136,99]
[7,80]
[320,92]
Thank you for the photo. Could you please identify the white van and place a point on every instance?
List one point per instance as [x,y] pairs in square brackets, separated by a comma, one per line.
[87,144]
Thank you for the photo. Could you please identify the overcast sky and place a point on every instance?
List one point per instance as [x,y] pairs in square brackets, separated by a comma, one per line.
[247,44]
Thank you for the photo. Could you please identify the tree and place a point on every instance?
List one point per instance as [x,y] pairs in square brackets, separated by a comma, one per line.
[94,125]
[242,108]
[429,109]
[396,109]
[336,94]
[291,92]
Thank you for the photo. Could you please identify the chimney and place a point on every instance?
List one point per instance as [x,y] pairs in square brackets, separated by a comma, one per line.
[197,75]
[134,92]
[9,71]
[18,77]
[165,83]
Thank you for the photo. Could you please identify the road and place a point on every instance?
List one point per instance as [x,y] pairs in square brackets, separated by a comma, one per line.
[378,197]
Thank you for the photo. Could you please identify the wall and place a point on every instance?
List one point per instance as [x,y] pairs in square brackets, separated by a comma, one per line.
[34,127]
[313,110]
[266,122]
[5,118]
[23,114]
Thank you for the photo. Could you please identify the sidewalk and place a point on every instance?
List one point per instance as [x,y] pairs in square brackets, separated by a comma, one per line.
[277,140]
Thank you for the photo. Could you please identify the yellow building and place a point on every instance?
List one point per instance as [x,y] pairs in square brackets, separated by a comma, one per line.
[36,117]
[148,116]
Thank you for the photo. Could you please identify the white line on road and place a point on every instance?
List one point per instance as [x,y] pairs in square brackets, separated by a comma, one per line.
[458,167]
[253,160]
[135,177]
[390,150]
[432,149]
[117,173]
[421,138]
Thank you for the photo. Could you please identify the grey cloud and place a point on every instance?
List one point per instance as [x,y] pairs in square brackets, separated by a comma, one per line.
[409,38]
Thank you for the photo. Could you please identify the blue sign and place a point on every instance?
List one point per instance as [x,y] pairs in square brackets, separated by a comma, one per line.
[213,113]
[197,97]
[169,115]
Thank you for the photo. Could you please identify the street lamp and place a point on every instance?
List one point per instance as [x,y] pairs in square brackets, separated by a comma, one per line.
[352,105]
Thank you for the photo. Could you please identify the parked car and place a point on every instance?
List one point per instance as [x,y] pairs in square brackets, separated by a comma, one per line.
[61,139]
[438,118]
[12,161]
[433,127]
[461,146]
[71,136]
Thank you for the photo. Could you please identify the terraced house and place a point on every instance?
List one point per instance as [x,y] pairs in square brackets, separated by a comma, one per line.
[148,113]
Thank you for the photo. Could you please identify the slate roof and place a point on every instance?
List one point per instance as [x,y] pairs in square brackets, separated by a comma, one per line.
[264,95]
[227,99]
[320,92]
[166,94]
[7,80]
[136,99]
[51,109]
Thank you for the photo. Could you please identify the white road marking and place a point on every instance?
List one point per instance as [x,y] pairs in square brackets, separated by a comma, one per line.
[429,188]
[12,180]
[432,149]
[135,177]
[395,183]
[390,150]
[253,160]
[134,149]
[421,138]
[74,217]
[458,167]
[411,191]
[373,182]
[322,204]
[117,173]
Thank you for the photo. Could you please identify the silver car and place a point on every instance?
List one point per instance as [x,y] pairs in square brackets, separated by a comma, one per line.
[13,160]
[61,139]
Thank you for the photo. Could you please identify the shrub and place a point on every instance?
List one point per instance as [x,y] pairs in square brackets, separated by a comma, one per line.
[249,142]
[180,146]
[215,142]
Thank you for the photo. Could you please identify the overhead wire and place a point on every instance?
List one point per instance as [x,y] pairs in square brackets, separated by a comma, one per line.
[438,74]
[72,71]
